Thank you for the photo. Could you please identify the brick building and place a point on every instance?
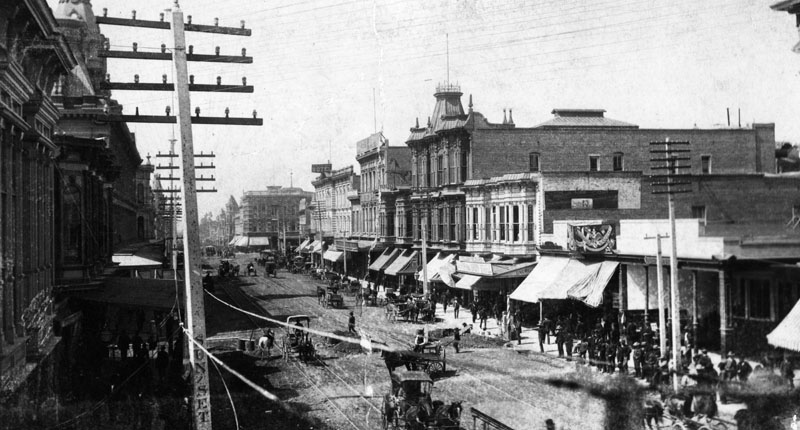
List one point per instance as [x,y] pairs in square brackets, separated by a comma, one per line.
[332,216]
[268,218]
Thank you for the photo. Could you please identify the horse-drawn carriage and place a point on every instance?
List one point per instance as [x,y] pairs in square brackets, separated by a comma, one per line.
[409,405]
[228,268]
[430,358]
[296,340]
[328,296]
[410,310]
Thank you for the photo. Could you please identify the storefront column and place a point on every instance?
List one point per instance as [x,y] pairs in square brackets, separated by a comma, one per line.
[724,329]
[694,306]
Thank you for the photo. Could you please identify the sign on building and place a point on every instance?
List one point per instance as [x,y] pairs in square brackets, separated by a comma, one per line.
[591,239]
[321,168]
[581,203]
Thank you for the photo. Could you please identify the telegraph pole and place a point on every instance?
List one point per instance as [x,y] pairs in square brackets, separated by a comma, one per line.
[200,403]
[672,182]
[662,318]
[195,306]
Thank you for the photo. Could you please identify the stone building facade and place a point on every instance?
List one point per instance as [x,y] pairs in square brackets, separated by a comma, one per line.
[332,215]
[269,216]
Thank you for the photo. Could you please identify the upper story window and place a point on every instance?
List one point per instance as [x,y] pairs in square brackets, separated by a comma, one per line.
[618,162]
[440,164]
[464,162]
[533,162]
[705,164]
[593,163]
[699,212]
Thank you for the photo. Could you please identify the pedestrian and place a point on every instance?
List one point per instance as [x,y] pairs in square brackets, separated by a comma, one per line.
[456,338]
[611,356]
[743,370]
[568,342]
[560,339]
[484,316]
[351,323]
[456,307]
[787,370]
[731,367]
[162,362]
[542,330]
[473,309]
[623,354]
[638,358]
[123,343]
[518,329]
[444,304]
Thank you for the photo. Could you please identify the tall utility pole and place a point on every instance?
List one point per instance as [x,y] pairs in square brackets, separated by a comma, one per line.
[195,306]
[201,399]
[662,318]
[670,183]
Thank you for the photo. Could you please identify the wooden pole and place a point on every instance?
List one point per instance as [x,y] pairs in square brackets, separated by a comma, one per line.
[195,309]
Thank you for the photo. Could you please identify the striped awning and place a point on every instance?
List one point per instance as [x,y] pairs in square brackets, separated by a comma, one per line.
[786,334]
[301,246]
[403,265]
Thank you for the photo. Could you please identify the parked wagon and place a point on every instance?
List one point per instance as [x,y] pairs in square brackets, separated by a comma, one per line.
[409,405]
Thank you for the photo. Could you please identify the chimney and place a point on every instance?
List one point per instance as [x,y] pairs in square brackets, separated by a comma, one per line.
[470,103]
[510,118]
[505,121]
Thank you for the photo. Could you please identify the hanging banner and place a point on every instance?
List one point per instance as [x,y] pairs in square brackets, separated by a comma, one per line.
[591,239]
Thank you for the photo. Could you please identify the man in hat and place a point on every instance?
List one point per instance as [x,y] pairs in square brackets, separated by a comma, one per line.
[638,358]
[419,340]
[351,323]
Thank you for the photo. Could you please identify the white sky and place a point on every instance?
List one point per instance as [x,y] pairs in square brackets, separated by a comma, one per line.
[670,64]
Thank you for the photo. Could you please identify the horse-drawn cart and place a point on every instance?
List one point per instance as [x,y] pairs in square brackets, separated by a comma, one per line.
[296,339]
[430,358]
[328,296]
[409,405]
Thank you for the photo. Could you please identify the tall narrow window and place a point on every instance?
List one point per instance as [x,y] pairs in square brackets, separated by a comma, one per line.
[618,162]
[453,167]
[453,220]
[530,222]
[409,224]
[464,161]
[487,224]
[431,171]
[475,223]
[533,162]
[440,236]
[593,163]
[440,165]
[502,223]
[515,226]
[494,223]
[705,164]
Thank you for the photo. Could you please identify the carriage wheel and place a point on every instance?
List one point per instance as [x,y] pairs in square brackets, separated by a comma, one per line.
[435,367]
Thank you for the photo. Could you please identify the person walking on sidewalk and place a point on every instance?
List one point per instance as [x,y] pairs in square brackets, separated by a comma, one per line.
[456,338]
[484,316]
[456,307]
[518,329]
[473,309]
[351,323]
[542,336]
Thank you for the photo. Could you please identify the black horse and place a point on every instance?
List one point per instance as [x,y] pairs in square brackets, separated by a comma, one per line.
[395,359]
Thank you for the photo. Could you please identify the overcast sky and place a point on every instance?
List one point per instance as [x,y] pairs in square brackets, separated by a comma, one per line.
[673,64]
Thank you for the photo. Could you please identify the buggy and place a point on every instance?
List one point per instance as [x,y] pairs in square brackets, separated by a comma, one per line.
[329,296]
[296,340]
[409,405]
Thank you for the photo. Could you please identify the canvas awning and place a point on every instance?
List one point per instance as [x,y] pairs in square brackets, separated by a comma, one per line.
[590,290]
[301,246]
[542,276]
[258,241]
[467,282]
[576,276]
[310,247]
[446,273]
[136,293]
[333,255]
[235,238]
[785,334]
[404,264]
[433,267]
[242,242]
[386,258]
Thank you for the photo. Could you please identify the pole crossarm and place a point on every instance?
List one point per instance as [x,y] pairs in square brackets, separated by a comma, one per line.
[163,56]
[207,120]
[200,28]
[155,86]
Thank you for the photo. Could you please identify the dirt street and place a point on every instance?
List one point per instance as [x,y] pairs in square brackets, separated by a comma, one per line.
[330,392]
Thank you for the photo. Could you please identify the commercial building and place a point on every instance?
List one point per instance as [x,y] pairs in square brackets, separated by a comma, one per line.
[268,219]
